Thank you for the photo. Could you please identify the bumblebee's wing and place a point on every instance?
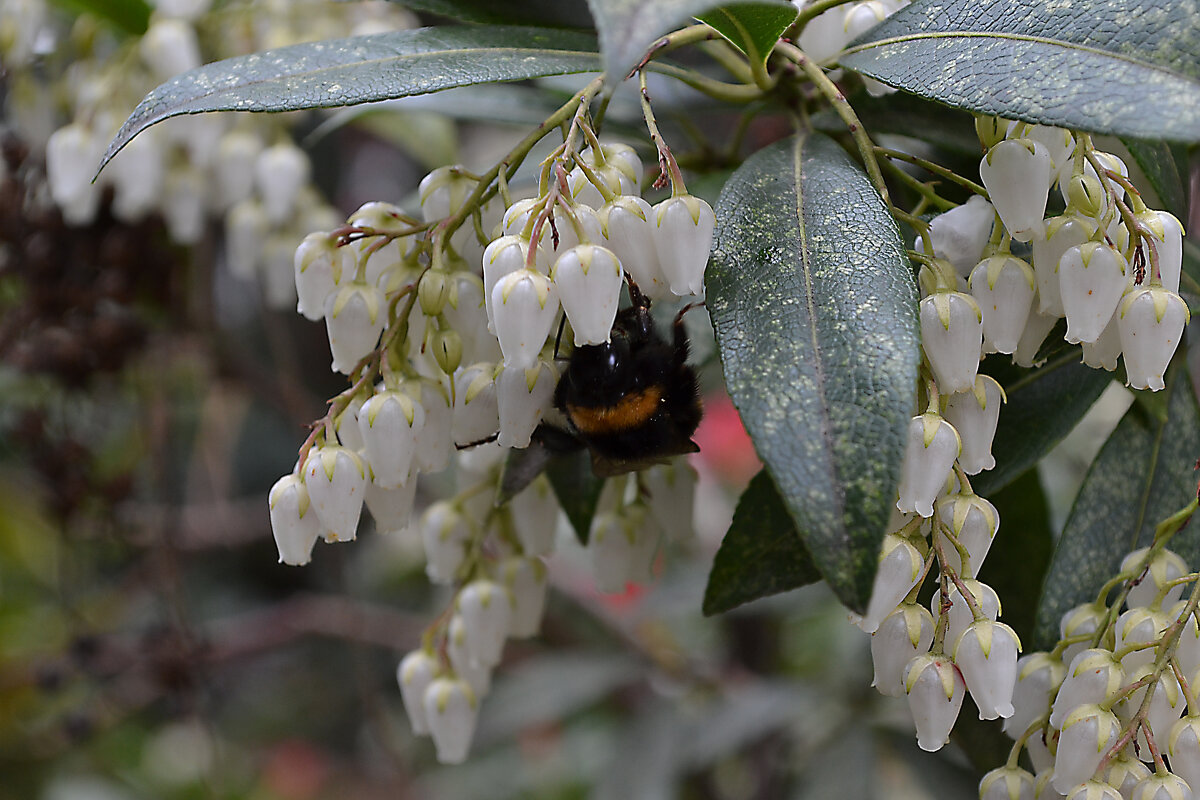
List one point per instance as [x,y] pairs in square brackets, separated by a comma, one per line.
[605,467]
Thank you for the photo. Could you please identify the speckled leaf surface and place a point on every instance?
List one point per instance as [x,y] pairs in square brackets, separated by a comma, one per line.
[362,69]
[1044,405]
[543,13]
[814,308]
[1142,474]
[761,553]
[1127,67]
[753,29]
[628,27]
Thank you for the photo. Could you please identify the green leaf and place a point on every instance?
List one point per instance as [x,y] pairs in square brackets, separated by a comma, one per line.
[542,13]
[130,16]
[1165,167]
[577,489]
[363,69]
[1020,555]
[814,308]
[1142,474]
[1044,405]
[908,115]
[752,29]
[761,554]
[1127,67]
[629,27]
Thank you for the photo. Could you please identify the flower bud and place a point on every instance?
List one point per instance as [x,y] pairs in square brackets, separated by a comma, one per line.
[516,218]
[1006,783]
[503,256]
[1183,747]
[477,675]
[1062,233]
[627,225]
[524,304]
[1004,287]
[935,693]
[486,610]
[525,580]
[523,396]
[434,442]
[986,654]
[974,523]
[952,338]
[389,422]
[1136,626]
[1151,323]
[445,534]
[391,508]
[905,634]
[1092,677]
[336,481]
[1168,232]
[414,674]
[1094,790]
[293,522]
[476,412]
[1165,567]
[958,611]
[450,712]
[1165,786]
[683,233]
[355,315]
[1092,277]
[900,565]
[1038,678]
[447,348]
[975,415]
[319,266]
[933,444]
[575,226]
[1125,773]
[442,192]
[1016,173]
[960,234]
[1087,733]
[588,280]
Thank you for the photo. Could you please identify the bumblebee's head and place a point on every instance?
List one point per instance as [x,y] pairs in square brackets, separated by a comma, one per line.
[595,370]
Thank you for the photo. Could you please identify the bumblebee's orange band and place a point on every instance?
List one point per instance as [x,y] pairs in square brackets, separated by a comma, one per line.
[632,411]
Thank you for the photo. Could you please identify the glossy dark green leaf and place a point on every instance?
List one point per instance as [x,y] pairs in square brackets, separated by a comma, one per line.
[1020,555]
[363,69]
[629,27]
[542,13]
[130,16]
[1142,474]
[753,29]
[1127,67]
[908,115]
[577,489]
[1044,405]
[1165,167]
[761,554]
[814,308]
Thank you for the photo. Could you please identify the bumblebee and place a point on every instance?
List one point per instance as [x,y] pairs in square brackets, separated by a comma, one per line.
[633,401]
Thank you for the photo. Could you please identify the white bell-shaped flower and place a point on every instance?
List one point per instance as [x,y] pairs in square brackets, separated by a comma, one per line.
[277,277]
[577,225]
[1168,233]
[1183,747]
[960,234]
[588,280]
[294,524]
[183,205]
[825,35]
[336,480]
[345,425]
[1165,567]
[1080,622]
[445,533]
[672,497]
[319,266]
[233,168]
[932,446]
[246,229]
[389,423]
[504,255]
[1151,323]
[524,304]
[137,175]
[391,508]
[627,224]
[905,634]
[1094,790]
[614,176]
[1038,677]
[1004,287]
[525,579]
[1062,233]
[1109,162]
[975,415]
[414,674]
[986,654]
[1106,350]
[622,545]
[952,338]
[974,522]
[72,153]
[1164,786]
[1059,143]
[900,566]
[435,441]
[958,612]
[1092,277]
[935,693]
[476,410]
[279,173]
[1007,783]
[476,674]
[1036,328]
[1043,763]
[517,217]
[626,159]
[1087,733]
[169,47]
[443,191]
[683,234]
[535,513]
[355,315]
[486,611]
[1092,677]
[1138,625]
[1016,173]
[1166,706]
[523,396]
[1124,773]
[450,713]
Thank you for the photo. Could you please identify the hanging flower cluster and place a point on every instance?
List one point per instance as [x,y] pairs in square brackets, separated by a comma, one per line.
[450,345]
[1111,267]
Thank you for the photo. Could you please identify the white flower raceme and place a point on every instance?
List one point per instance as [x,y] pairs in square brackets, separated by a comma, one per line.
[588,280]
[933,444]
[237,153]
[137,175]
[905,634]
[935,691]
[1004,287]
[986,654]
[450,714]
[1016,173]
[336,481]
[355,315]
[1150,322]
[293,522]
[523,396]
[72,153]
[1007,783]
[414,674]
[627,224]
[900,566]
[1086,735]
[524,304]
[1092,277]
[975,415]
[389,423]
[683,233]
[246,228]
[952,338]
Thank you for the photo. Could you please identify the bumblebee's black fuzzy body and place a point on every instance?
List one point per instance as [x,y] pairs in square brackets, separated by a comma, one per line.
[634,400]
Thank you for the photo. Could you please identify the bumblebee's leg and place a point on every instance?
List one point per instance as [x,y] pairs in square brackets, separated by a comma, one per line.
[641,308]
[680,334]
[636,297]
[562,322]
